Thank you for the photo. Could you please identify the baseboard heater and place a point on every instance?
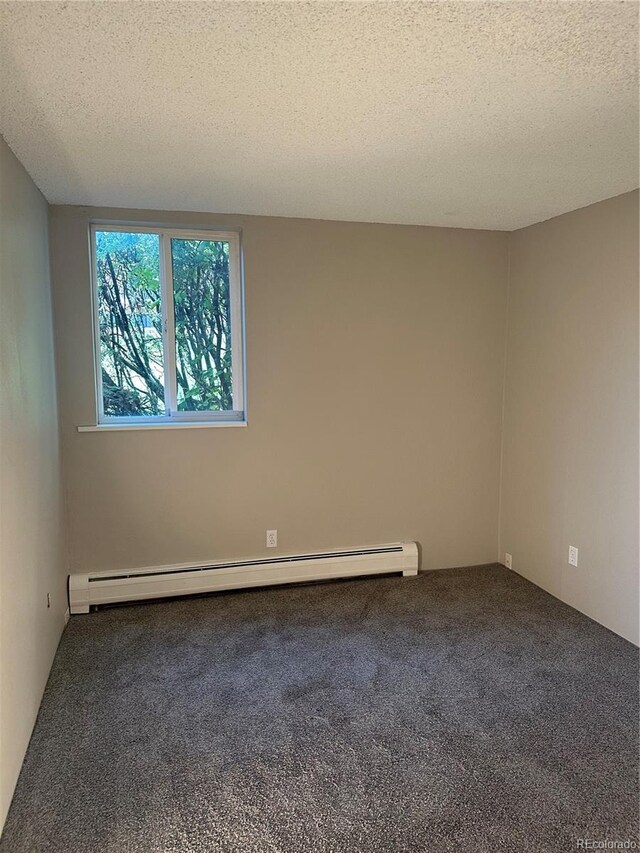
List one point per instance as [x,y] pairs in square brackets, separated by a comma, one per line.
[86,590]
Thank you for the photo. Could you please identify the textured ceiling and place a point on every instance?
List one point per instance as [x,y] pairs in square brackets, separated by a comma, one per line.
[472,114]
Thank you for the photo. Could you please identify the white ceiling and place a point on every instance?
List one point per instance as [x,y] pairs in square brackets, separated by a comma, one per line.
[471,114]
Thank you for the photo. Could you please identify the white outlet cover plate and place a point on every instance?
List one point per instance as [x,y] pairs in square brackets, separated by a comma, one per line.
[573,556]
[272,538]
[508,559]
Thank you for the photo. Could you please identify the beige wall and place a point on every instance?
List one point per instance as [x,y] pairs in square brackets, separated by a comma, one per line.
[570,461]
[31,552]
[374,373]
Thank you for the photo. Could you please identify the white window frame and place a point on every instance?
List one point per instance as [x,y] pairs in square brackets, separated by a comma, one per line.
[234,417]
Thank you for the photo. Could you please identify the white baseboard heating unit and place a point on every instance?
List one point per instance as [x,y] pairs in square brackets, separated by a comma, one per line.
[86,590]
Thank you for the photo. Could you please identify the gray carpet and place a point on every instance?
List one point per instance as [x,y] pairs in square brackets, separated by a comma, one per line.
[463,710]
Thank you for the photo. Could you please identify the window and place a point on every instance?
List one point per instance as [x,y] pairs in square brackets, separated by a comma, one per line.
[168,325]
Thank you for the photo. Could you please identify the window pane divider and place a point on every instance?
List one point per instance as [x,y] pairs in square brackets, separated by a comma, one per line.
[168,326]
[236,324]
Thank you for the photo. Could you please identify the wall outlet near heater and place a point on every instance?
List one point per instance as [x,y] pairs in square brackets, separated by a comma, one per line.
[272,538]
[573,556]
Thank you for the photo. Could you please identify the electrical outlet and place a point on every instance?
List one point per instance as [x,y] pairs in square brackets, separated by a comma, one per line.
[573,556]
[48,599]
[272,538]
[508,560]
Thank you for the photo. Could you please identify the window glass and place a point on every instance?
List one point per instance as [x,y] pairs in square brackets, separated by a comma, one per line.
[130,323]
[168,318]
[201,304]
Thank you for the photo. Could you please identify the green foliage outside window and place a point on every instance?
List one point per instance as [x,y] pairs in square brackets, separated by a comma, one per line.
[131,324]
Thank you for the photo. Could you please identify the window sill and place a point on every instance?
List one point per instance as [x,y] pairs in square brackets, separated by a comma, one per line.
[177,425]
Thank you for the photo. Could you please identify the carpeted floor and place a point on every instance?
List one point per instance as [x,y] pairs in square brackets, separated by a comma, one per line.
[463,710]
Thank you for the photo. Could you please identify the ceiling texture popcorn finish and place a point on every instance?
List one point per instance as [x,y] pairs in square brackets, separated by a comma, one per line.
[472,114]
